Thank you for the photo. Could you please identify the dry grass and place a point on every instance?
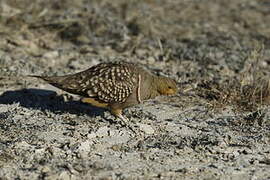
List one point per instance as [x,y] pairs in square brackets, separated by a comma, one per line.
[248,91]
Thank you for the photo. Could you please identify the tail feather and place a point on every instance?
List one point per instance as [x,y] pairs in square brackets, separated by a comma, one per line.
[46,78]
[62,82]
[57,81]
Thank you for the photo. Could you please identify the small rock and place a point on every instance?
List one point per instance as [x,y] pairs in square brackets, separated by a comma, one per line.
[91,135]
[103,131]
[51,55]
[85,146]
[3,109]
[146,128]
[45,169]
[64,175]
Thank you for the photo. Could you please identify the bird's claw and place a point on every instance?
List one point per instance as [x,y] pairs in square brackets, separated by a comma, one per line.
[125,122]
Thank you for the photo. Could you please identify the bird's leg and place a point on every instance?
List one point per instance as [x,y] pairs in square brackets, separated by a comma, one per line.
[124,121]
[94,102]
[118,113]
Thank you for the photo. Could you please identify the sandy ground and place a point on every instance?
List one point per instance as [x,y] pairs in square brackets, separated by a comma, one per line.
[46,133]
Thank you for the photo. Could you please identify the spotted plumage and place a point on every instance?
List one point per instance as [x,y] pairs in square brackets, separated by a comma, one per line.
[114,85]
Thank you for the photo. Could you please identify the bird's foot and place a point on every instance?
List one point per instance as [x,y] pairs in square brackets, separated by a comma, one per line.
[126,123]
[124,120]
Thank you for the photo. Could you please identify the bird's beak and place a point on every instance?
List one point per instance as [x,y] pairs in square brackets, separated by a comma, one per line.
[171,92]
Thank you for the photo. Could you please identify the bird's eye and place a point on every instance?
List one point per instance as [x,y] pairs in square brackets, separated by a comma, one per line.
[170,87]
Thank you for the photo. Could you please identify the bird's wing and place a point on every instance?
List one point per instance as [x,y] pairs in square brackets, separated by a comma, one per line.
[110,82]
[106,82]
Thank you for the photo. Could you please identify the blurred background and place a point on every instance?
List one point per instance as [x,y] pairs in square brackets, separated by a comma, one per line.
[189,38]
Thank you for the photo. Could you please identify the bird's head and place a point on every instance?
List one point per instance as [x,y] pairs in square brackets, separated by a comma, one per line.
[166,86]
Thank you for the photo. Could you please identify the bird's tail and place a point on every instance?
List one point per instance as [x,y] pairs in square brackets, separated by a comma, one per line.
[45,78]
[62,82]
[57,81]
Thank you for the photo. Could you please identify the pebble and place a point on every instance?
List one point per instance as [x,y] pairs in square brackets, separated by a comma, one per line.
[146,128]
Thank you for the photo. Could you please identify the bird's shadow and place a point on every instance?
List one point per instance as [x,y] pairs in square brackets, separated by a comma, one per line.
[48,100]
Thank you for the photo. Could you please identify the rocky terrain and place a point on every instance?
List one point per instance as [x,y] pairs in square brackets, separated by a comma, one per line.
[216,127]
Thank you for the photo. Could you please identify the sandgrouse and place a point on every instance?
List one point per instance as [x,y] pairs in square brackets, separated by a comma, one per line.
[114,85]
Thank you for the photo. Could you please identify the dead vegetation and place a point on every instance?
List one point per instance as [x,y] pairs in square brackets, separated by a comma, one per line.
[246,92]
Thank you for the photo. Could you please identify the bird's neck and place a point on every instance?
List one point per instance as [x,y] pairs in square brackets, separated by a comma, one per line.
[155,83]
[148,89]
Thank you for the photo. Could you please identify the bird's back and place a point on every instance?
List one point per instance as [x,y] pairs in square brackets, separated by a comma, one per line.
[110,82]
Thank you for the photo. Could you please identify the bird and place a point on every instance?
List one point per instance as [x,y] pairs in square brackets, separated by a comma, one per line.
[114,85]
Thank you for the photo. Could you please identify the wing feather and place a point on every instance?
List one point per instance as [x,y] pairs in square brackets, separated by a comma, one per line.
[109,82]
